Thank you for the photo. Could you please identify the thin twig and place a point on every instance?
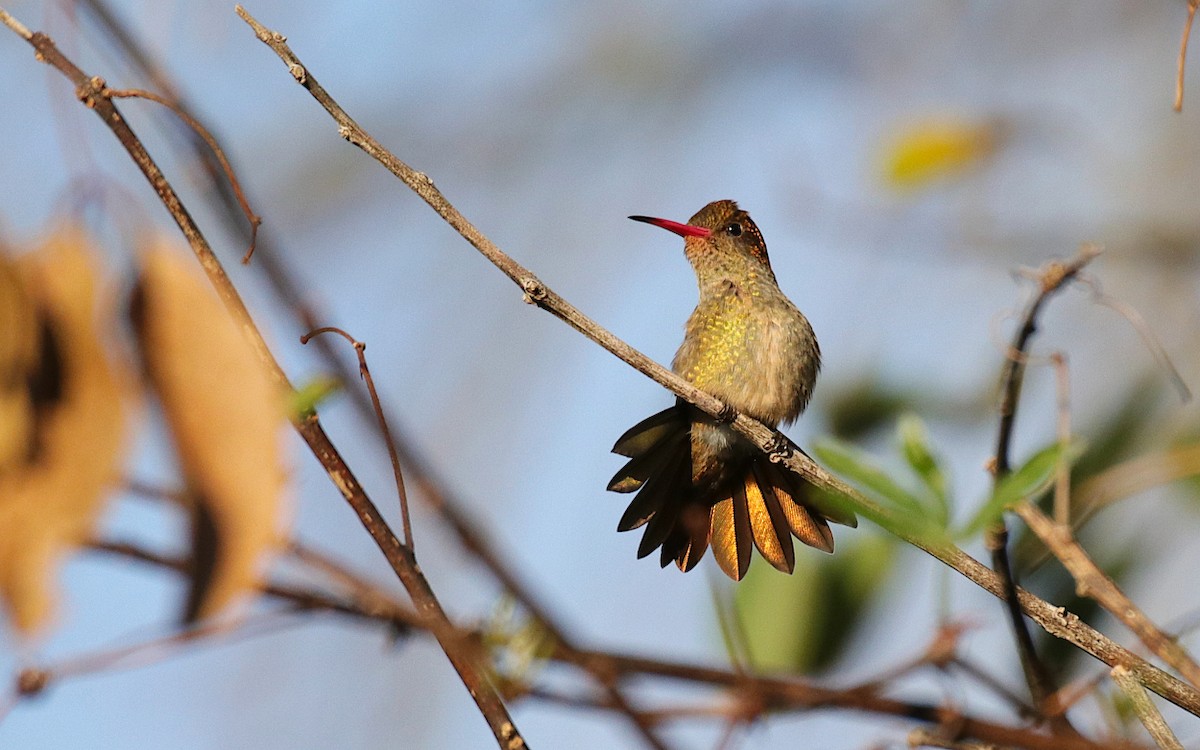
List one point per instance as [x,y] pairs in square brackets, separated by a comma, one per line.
[989,681]
[1054,620]
[34,680]
[1143,330]
[1091,582]
[90,90]
[365,373]
[1062,479]
[1051,278]
[1183,46]
[1145,709]
[254,219]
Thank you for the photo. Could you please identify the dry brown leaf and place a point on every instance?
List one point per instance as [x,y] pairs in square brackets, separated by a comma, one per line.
[79,400]
[18,358]
[225,415]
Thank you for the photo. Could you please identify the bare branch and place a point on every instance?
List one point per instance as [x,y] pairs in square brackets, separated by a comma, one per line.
[1091,582]
[254,219]
[91,91]
[752,695]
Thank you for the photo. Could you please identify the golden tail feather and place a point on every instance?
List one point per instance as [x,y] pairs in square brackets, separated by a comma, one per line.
[765,508]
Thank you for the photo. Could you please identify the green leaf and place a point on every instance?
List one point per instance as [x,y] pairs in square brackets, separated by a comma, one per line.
[1031,479]
[914,440]
[303,402]
[857,466]
[902,514]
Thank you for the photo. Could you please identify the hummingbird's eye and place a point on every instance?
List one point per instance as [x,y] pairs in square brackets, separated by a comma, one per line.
[734,230]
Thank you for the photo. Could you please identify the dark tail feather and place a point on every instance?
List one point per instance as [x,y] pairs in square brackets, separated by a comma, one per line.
[664,489]
[644,435]
[640,468]
[689,539]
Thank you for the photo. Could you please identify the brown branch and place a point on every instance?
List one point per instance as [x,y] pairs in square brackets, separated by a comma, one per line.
[1091,582]
[928,738]
[755,694]
[1052,277]
[1055,620]
[91,91]
[1183,46]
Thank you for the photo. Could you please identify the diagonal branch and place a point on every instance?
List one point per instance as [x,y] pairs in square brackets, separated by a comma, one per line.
[1055,620]
[1090,581]
[91,90]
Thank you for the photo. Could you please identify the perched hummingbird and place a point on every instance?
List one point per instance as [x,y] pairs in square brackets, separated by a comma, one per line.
[702,484]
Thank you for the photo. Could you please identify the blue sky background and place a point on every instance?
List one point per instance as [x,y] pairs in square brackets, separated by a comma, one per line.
[547,124]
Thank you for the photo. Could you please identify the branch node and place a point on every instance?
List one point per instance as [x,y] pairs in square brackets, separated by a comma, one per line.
[296,69]
[535,290]
[32,681]
[91,90]
[511,737]
[345,132]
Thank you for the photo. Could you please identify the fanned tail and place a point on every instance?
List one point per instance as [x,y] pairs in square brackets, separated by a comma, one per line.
[765,508]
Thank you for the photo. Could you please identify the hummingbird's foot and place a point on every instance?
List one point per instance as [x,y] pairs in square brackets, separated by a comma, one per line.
[727,414]
[779,449]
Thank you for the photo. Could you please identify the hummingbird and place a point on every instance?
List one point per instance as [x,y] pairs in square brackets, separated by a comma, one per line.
[699,482]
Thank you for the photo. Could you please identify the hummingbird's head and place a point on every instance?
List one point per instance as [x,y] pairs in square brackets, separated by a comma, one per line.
[719,236]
